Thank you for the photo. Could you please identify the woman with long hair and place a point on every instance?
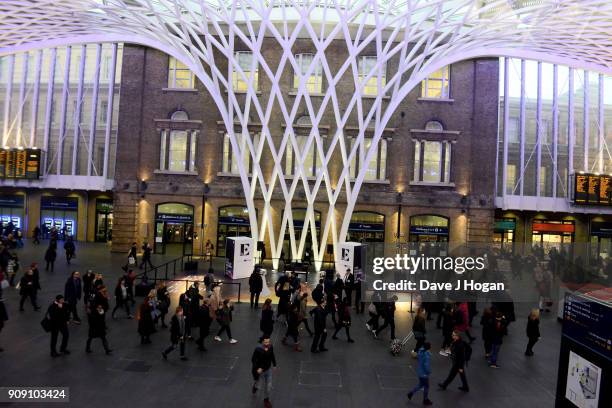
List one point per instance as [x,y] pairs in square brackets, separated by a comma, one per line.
[533,330]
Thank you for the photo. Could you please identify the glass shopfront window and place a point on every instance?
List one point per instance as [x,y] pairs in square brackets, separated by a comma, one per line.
[233,221]
[12,211]
[503,233]
[60,213]
[174,229]
[104,220]
[551,234]
[366,226]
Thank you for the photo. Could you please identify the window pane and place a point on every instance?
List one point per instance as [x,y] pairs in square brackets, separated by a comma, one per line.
[383,160]
[353,165]
[192,151]
[373,164]
[431,161]
[178,151]
[162,151]
[240,82]
[447,162]
[179,76]
[436,85]
[366,66]
[417,161]
[226,154]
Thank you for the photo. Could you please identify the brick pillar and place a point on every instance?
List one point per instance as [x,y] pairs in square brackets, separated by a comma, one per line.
[480,226]
[125,221]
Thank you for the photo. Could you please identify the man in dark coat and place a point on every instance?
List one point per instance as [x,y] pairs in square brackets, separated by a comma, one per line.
[263,360]
[70,249]
[320,328]
[58,319]
[97,328]
[29,287]
[458,357]
[88,288]
[146,256]
[204,321]
[349,285]
[72,295]
[255,287]
[317,293]
[178,327]
[50,257]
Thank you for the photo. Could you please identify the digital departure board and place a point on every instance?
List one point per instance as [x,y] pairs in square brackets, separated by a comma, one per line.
[20,163]
[605,190]
[581,185]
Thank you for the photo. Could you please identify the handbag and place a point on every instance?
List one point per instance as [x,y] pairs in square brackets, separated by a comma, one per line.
[46,323]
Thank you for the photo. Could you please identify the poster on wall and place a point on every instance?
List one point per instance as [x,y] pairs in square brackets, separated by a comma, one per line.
[583,382]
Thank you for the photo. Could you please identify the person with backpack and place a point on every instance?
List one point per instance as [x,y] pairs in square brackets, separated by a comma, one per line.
[497,338]
[423,371]
[461,353]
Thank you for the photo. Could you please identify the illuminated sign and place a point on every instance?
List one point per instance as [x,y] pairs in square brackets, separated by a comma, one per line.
[20,163]
[592,189]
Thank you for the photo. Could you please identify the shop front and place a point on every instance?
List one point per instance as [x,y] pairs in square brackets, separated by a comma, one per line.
[601,240]
[504,233]
[366,226]
[104,220]
[12,210]
[547,234]
[429,233]
[233,221]
[173,229]
[61,213]
[299,215]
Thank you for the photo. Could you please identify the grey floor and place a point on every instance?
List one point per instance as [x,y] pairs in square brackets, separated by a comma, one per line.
[363,374]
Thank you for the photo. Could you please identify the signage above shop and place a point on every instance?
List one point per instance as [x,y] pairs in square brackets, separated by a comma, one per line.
[361,226]
[59,203]
[505,225]
[601,229]
[592,189]
[181,218]
[20,163]
[229,220]
[11,201]
[553,227]
[428,230]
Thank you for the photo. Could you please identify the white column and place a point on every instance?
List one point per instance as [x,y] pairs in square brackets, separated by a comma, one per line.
[94,110]
[539,131]
[22,96]
[109,111]
[77,110]
[585,110]
[570,124]
[62,128]
[48,109]
[7,99]
[506,121]
[34,110]
[522,129]
[555,128]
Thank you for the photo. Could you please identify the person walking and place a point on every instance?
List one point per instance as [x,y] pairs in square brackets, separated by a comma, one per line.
[209,247]
[3,312]
[72,295]
[487,321]
[36,235]
[121,297]
[423,372]
[50,256]
[131,257]
[374,311]
[224,318]
[178,325]
[292,327]
[266,324]
[459,356]
[462,320]
[146,256]
[448,324]
[204,322]
[388,317]
[533,330]
[263,362]
[359,304]
[88,288]
[70,249]
[163,296]
[344,319]
[97,328]
[146,323]
[57,316]
[282,289]
[349,285]
[255,287]
[317,293]
[302,311]
[319,315]
[419,330]
[28,288]
[497,338]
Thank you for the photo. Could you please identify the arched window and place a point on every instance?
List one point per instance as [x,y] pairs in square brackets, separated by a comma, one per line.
[434,125]
[178,147]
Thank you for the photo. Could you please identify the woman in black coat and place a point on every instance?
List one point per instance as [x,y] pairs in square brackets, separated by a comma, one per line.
[533,330]
[146,325]
[266,324]
[97,328]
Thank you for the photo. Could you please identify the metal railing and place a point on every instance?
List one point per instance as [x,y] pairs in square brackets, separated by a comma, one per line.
[166,268]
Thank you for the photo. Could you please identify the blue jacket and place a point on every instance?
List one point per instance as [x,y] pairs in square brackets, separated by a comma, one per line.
[424,366]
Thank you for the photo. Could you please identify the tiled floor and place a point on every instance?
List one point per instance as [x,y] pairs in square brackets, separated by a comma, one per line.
[363,374]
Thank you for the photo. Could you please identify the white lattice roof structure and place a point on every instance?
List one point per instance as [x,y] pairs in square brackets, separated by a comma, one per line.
[425,35]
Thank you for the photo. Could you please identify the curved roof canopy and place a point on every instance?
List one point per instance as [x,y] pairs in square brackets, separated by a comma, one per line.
[577,32]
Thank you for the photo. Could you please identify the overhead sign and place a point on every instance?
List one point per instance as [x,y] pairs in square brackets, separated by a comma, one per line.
[11,201]
[362,226]
[601,229]
[553,227]
[234,221]
[428,230]
[175,218]
[505,225]
[588,322]
[592,189]
[20,163]
[59,203]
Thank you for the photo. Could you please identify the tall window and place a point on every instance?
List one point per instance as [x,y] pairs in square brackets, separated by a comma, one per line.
[432,161]
[310,158]
[513,130]
[230,157]
[178,147]
[437,84]
[376,169]
[366,66]
[245,61]
[179,76]
[314,83]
